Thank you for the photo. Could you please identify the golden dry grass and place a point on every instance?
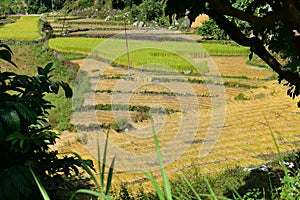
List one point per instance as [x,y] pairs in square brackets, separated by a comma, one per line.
[245,138]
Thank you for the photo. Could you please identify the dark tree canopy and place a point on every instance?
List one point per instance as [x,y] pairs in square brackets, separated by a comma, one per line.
[273,35]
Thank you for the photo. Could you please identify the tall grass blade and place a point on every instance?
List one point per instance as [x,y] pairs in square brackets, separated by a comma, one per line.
[156,186]
[211,191]
[110,175]
[166,184]
[190,185]
[99,165]
[277,148]
[89,192]
[104,161]
[88,170]
[39,184]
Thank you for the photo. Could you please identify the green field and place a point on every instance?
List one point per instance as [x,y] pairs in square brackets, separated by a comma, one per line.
[26,28]
[176,55]
[218,49]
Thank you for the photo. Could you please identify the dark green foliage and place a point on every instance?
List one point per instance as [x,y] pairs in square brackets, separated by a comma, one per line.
[8,7]
[151,9]
[25,133]
[241,96]
[210,30]
[120,125]
[42,6]
[121,4]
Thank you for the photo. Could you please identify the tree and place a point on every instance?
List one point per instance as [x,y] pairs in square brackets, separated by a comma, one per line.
[26,135]
[273,34]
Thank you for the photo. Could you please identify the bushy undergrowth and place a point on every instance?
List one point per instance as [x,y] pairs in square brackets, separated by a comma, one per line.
[28,56]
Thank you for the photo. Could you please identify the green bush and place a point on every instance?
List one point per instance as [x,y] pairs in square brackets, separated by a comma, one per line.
[121,124]
[26,135]
[210,30]
[151,9]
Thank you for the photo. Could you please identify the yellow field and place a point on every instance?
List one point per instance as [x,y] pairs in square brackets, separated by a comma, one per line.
[243,139]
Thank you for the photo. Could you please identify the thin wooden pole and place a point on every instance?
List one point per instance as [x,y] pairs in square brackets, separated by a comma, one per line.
[127,51]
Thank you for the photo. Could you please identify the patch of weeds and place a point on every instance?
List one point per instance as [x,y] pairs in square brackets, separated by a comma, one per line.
[140,116]
[197,81]
[238,85]
[120,125]
[109,107]
[237,77]
[241,96]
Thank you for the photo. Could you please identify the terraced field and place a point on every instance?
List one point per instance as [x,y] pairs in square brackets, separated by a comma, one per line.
[216,118]
[199,131]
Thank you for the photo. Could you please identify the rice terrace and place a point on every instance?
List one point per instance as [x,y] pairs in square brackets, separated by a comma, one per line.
[212,108]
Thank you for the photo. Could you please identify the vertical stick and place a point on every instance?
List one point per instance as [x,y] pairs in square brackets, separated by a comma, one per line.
[127,52]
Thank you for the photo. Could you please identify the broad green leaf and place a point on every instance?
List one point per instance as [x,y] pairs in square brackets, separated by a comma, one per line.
[48,68]
[10,118]
[6,55]
[251,56]
[67,89]
[15,136]
[41,71]
[6,47]
[26,112]
[54,87]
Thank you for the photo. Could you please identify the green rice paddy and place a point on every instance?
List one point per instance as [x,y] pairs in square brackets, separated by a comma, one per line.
[25,28]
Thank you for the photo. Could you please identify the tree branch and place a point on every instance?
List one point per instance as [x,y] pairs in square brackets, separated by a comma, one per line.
[257,47]
[227,9]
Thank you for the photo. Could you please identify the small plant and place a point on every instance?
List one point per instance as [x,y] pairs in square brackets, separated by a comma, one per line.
[120,125]
[241,96]
[103,187]
[140,116]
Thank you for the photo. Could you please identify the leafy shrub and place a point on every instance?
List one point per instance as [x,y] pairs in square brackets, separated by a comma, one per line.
[241,96]
[26,135]
[121,124]
[152,9]
[140,116]
[210,30]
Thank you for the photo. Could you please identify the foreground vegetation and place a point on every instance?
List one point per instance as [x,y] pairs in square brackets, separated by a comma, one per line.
[276,181]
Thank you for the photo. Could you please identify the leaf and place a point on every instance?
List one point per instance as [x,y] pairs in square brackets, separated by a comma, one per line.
[67,89]
[6,47]
[39,184]
[6,55]
[10,118]
[166,184]
[48,67]
[26,112]
[156,186]
[41,71]
[110,175]
[54,87]
[251,56]
[15,136]
[90,192]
